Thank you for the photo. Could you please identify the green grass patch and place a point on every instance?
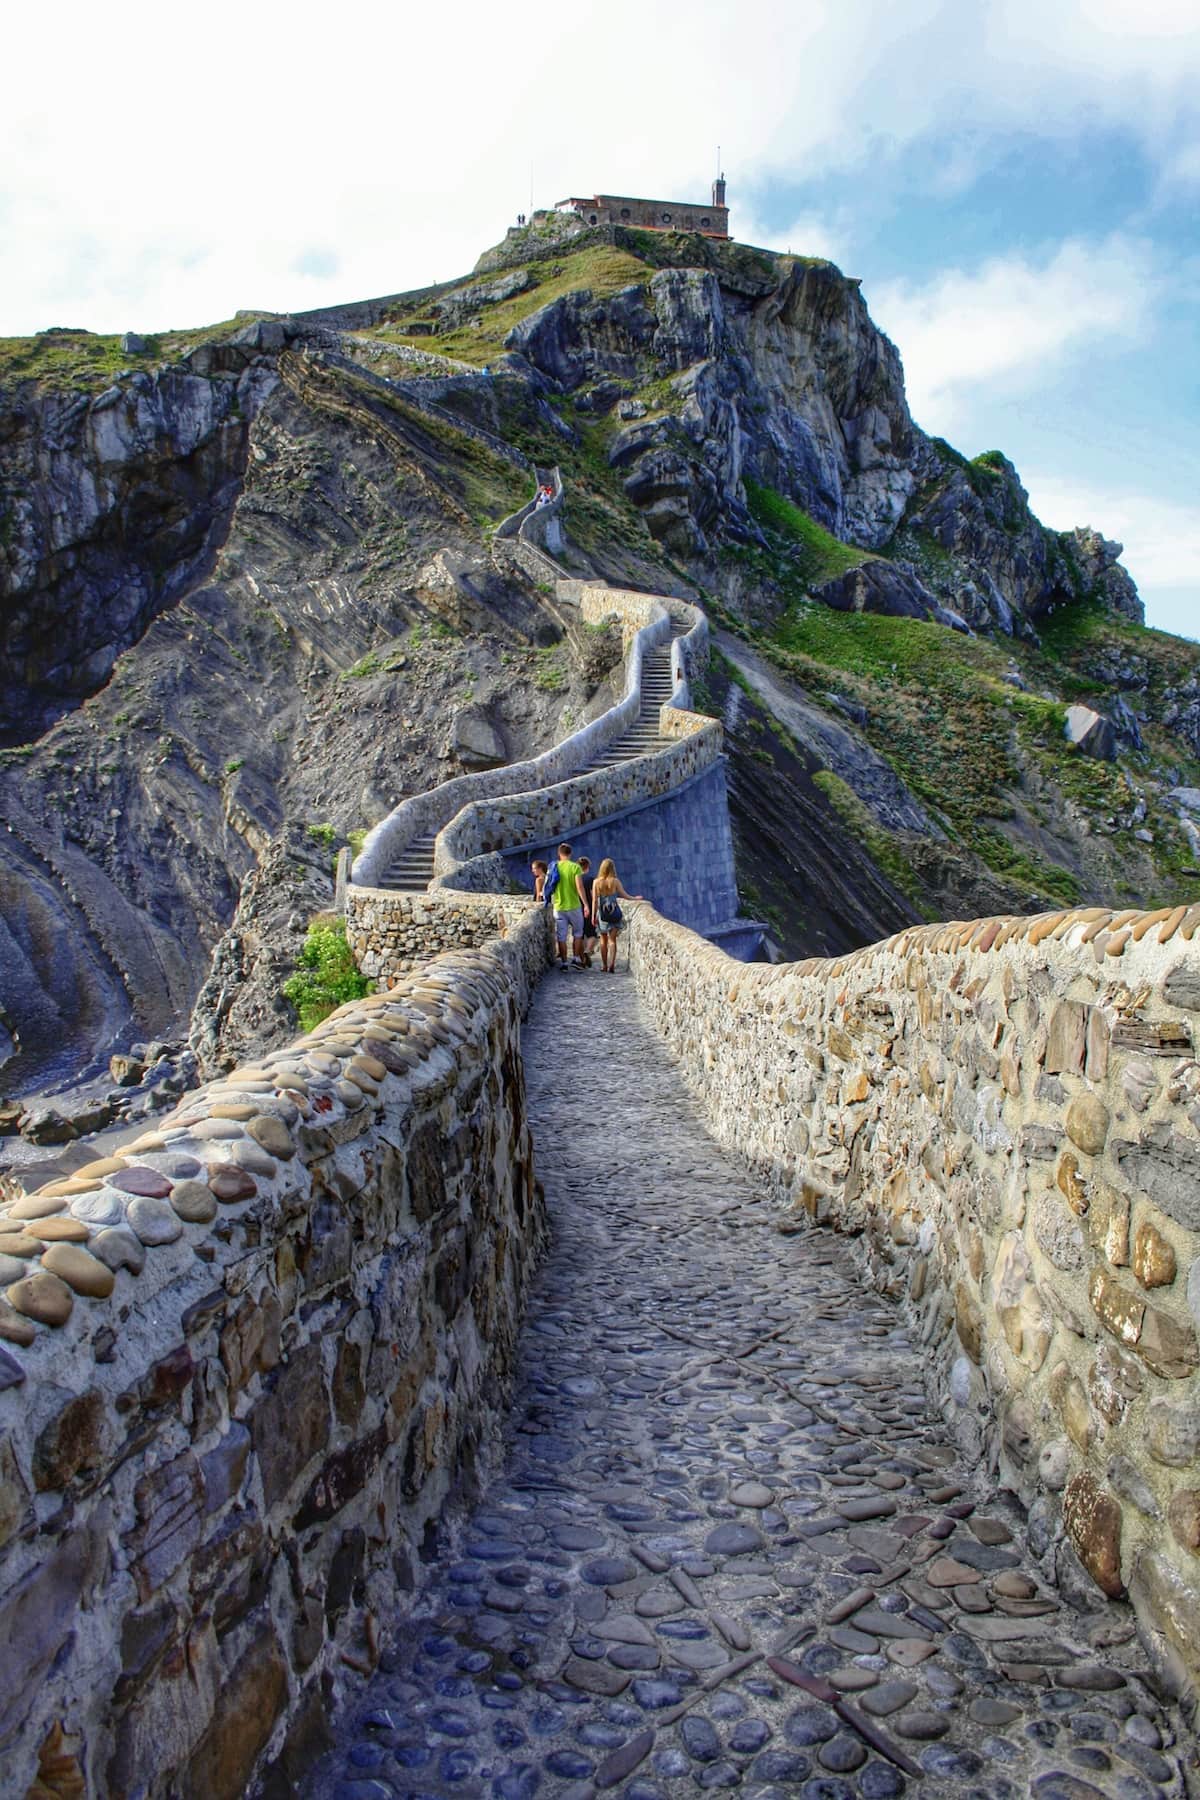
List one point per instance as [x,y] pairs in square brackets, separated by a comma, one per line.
[815,553]
[90,360]
[1023,869]
[600,268]
[941,714]
[549,676]
[370,664]
[326,976]
[880,844]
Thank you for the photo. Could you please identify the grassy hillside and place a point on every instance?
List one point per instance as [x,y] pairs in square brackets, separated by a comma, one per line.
[992,762]
[62,359]
[600,268]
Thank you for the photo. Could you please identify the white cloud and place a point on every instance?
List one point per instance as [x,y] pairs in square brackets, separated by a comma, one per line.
[1006,323]
[1181,169]
[811,234]
[1161,536]
[170,171]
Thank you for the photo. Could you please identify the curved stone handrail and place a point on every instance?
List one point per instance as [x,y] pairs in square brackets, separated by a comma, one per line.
[544,809]
[483,827]
[647,624]
[1008,1112]
[689,654]
[514,524]
[435,808]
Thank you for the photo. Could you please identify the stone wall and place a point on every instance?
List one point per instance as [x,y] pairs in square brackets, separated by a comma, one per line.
[677,851]
[392,932]
[554,812]
[244,1366]
[1008,1112]
[648,624]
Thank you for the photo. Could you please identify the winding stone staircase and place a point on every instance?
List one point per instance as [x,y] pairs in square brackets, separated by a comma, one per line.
[412,869]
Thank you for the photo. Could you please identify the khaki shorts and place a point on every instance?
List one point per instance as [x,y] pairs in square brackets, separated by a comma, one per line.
[568,924]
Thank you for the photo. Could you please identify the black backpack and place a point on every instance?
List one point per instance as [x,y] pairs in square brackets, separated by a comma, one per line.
[610,910]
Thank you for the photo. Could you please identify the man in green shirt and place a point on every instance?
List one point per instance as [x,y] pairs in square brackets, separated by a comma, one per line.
[565,893]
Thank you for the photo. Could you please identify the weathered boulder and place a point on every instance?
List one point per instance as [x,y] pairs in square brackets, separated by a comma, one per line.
[1091,733]
[878,587]
[476,741]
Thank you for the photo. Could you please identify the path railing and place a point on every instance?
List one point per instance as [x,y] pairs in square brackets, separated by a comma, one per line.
[476,798]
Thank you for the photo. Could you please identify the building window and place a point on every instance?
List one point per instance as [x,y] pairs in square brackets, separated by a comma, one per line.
[704,224]
[666,218]
[591,218]
[624,212]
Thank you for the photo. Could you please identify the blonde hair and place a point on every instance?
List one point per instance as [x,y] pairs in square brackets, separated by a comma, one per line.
[607,867]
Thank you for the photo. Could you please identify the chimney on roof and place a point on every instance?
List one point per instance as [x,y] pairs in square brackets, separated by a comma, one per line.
[718,197]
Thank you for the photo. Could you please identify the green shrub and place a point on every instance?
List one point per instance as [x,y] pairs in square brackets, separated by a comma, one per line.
[327,976]
[549,676]
[324,835]
[370,664]
[816,553]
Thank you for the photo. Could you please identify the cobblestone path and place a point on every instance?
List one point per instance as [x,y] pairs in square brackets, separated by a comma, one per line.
[729,1547]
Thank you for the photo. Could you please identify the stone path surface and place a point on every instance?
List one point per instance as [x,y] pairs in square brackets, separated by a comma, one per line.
[729,1546]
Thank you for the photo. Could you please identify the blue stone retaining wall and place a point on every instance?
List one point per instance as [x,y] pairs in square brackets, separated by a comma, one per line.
[677,851]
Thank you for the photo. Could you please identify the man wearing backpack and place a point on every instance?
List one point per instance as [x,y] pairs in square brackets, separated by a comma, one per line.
[564,893]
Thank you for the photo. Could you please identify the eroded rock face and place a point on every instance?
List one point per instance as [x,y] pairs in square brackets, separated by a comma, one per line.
[165,821]
[116,505]
[780,374]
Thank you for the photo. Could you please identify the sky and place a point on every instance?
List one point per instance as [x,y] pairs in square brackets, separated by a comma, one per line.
[1016,183]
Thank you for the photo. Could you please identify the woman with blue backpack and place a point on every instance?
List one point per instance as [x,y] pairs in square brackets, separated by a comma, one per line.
[607,894]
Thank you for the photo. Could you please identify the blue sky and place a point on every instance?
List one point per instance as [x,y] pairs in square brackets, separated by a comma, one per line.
[1016,184]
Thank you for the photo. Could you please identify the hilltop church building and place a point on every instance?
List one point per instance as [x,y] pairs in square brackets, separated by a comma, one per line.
[655,215]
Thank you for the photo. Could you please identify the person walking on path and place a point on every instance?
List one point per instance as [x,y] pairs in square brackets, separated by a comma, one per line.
[562,892]
[590,933]
[607,894]
[539,871]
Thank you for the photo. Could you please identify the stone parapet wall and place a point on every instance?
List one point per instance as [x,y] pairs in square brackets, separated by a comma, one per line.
[677,850]
[422,813]
[518,819]
[245,1363]
[1008,1112]
[392,932]
[689,658]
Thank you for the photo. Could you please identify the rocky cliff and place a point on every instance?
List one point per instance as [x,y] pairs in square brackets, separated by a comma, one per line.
[328,635]
[248,603]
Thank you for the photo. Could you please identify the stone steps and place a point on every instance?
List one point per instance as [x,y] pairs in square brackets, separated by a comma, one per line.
[412,870]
